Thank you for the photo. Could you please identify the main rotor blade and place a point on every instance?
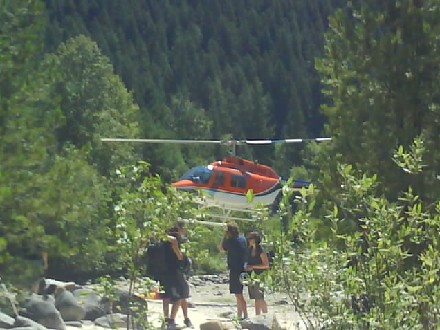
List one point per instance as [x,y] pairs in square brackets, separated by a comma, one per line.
[226,142]
[162,141]
[265,142]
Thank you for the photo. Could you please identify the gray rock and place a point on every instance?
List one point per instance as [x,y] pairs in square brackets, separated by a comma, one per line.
[24,322]
[70,286]
[42,310]
[211,325]
[91,303]
[112,321]
[68,305]
[6,321]
[125,300]
[259,322]
[76,324]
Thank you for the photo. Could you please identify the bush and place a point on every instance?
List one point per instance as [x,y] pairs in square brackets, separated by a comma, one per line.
[385,276]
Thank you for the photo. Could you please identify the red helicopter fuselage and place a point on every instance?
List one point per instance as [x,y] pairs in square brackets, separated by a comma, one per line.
[227,183]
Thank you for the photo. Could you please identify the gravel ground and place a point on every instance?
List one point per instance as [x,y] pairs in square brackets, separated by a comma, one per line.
[210,300]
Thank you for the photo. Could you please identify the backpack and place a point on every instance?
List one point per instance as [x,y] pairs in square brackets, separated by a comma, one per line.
[185,265]
[155,260]
[271,257]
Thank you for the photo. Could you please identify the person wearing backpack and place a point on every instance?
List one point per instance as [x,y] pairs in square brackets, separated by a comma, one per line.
[257,262]
[176,288]
[184,265]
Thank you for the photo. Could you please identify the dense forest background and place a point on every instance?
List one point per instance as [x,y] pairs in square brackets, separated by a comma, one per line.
[72,72]
[209,70]
[76,71]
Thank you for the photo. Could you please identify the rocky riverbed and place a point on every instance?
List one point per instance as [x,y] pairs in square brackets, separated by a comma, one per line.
[212,307]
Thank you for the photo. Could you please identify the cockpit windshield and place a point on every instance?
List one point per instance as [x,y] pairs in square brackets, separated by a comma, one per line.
[199,174]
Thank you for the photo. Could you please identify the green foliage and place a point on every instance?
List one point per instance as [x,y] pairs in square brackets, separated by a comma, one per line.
[247,65]
[145,210]
[379,74]
[202,248]
[94,102]
[53,197]
[25,136]
[381,274]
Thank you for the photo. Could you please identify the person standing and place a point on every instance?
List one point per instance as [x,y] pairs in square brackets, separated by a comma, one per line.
[235,246]
[177,233]
[257,262]
[173,282]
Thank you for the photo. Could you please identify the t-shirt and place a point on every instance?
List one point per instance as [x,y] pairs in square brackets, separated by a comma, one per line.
[255,259]
[236,249]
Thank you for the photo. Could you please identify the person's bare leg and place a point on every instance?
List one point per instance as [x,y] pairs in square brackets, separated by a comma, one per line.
[260,306]
[263,306]
[257,307]
[174,309]
[241,306]
[166,308]
[184,305]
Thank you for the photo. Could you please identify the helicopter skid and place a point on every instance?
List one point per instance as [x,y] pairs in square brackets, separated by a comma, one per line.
[229,200]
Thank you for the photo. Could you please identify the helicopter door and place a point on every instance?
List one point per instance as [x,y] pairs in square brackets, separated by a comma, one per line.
[219,179]
[238,183]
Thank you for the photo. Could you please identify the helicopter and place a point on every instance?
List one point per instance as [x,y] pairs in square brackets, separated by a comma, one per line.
[233,183]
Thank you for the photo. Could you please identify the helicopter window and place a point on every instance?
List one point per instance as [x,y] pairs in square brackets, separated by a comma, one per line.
[238,181]
[219,179]
[199,174]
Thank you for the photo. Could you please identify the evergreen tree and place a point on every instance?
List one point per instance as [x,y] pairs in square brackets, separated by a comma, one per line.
[94,102]
[380,72]
[163,49]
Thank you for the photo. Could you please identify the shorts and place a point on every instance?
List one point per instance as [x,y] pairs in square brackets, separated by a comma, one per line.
[235,285]
[255,291]
[175,286]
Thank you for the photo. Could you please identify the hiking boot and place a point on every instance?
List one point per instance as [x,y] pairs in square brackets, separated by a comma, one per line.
[188,323]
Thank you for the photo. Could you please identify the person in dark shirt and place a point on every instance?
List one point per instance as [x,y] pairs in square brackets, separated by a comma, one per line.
[173,282]
[257,262]
[235,246]
[179,232]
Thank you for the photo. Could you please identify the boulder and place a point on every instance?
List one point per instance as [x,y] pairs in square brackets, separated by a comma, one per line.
[76,324]
[211,325]
[24,322]
[42,310]
[68,305]
[112,321]
[91,303]
[125,300]
[259,322]
[6,321]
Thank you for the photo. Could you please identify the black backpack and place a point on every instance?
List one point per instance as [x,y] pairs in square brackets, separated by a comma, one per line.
[155,260]
[271,257]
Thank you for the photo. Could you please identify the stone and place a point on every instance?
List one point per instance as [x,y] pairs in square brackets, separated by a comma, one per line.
[70,286]
[68,305]
[6,321]
[258,322]
[24,322]
[211,325]
[112,321]
[42,310]
[76,324]
[91,302]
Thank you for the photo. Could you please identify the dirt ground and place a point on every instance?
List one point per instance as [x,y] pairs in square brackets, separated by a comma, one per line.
[212,301]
